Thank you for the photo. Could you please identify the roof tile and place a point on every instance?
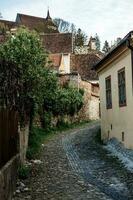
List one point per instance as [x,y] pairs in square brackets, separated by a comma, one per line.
[82,63]
[58,42]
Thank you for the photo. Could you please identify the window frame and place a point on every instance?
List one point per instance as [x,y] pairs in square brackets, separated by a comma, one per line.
[121,85]
[108,90]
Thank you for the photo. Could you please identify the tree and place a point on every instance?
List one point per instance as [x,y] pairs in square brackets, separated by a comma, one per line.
[27,84]
[22,80]
[27,80]
[80,38]
[106,47]
[26,52]
[64,101]
[73,28]
[98,43]
[116,42]
[64,26]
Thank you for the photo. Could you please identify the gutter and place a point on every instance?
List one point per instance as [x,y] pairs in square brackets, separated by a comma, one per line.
[124,41]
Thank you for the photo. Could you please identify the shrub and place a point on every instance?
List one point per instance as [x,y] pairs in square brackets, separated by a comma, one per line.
[24,171]
[36,138]
[64,101]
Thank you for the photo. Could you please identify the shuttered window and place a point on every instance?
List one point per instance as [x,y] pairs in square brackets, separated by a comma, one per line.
[108,93]
[122,87]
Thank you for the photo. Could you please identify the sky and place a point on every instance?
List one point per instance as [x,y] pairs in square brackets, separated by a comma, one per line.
[108,18]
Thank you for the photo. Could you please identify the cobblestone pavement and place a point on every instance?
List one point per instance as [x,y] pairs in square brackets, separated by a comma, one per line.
[76,167]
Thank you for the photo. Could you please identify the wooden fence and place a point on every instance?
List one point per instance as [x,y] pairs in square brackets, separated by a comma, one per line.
[8,135]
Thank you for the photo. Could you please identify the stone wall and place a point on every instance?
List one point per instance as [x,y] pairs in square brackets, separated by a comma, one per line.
[8,176]
[90,109]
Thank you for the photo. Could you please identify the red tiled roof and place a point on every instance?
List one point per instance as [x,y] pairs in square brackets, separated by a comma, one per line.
[55,59]
[58,42]
[9,24]
[82,63]
[37,23]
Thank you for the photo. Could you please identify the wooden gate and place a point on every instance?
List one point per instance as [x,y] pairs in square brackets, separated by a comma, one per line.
[8,135]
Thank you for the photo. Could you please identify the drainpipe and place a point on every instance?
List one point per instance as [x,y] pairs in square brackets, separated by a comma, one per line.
[131,48]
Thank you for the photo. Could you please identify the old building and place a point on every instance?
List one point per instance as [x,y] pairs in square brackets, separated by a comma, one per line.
[88,48]
[6,26]
[63,58]
[75,70]
[78,73]
[41,25]
[60,47]
[115,72]
[92,43]
[82,63]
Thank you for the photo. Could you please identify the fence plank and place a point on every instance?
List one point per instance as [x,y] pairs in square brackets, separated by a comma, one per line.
[8,135]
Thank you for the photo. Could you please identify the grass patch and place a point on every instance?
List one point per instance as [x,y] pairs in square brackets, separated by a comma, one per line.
[39,135]
[24,171]
[36,138]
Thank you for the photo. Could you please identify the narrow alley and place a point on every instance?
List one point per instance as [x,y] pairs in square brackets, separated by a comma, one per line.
[75,166]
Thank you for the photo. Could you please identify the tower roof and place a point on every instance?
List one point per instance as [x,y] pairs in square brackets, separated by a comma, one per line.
[48,15]
[37,23]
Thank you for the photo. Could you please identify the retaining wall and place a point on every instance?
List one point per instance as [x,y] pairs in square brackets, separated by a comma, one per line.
[8,175]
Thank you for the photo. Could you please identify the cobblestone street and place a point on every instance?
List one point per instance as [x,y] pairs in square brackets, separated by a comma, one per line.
[76,167]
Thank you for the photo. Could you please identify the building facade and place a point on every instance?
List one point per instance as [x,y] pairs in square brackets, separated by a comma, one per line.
[115,72]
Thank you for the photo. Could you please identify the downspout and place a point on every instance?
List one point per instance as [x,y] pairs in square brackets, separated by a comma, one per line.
[131,48]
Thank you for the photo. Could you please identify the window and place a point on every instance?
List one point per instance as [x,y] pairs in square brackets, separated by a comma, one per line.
[123,136]
[122,87]
[108,93]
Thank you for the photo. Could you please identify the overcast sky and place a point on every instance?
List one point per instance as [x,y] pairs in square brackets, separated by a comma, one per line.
[109,18]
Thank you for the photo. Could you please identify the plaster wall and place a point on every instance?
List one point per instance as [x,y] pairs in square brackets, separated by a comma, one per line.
[117,120]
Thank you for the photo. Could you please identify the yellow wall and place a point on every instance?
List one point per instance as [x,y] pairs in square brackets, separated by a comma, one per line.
[121,118]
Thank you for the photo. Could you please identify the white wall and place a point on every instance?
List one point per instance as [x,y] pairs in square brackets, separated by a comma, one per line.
[93,45]
[65,64]
[66,58]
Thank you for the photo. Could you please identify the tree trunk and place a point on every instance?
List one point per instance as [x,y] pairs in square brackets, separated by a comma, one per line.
[23,141]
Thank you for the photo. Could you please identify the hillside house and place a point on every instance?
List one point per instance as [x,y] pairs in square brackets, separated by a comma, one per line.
[115,72]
